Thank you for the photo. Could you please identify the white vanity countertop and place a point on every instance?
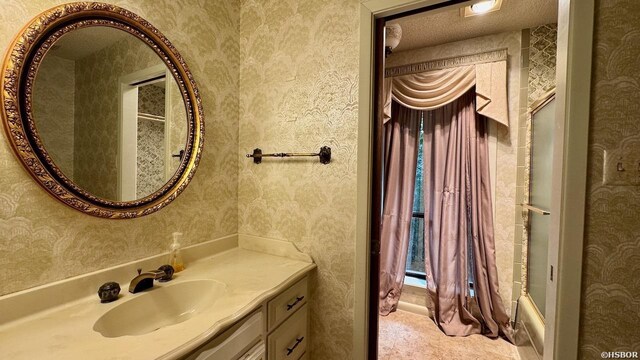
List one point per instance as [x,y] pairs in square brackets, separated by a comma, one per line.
[66,332]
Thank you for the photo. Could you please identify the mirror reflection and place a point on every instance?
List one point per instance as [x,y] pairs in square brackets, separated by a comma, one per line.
[109,113]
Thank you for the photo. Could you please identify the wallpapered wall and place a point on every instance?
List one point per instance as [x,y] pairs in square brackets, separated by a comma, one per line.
[298,92]
[151,99]
[543,44]
[55,84]
[151,154]
[610,287]
[150,157]
[177,127]
[96,114]
[42,240]
[504,206]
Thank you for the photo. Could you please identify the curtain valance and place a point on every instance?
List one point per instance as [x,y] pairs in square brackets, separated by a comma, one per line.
[433,89]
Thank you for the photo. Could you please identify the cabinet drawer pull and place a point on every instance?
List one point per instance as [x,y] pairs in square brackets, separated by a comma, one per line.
[298,341]
[298,299]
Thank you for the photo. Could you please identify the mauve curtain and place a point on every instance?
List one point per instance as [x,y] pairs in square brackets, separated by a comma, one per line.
[400,159]
[458,219]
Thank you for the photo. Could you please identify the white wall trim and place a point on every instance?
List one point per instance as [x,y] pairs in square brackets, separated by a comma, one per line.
[566,237]
[363,190]
[127,149]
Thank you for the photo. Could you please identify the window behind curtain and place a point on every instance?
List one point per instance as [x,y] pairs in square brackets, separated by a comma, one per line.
[415,257]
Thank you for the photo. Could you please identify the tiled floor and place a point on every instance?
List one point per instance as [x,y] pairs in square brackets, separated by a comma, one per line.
[409,336]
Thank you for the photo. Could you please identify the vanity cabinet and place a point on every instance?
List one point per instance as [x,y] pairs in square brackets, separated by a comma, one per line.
[276,330]
[287,323]
[236,311]
[243,340]
[289,340]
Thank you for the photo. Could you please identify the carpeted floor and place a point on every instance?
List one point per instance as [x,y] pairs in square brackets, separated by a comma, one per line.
[409,336]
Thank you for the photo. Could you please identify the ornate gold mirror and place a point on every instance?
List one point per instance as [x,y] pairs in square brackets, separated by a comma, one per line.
[102,110]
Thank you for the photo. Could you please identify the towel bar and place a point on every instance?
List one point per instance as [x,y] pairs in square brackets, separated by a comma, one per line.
[324,155]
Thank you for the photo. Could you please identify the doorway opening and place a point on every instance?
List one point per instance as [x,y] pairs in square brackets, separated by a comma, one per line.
[505,141]
[145,159]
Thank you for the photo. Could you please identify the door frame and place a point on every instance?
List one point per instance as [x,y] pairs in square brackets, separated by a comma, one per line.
[128,128]
[573,77]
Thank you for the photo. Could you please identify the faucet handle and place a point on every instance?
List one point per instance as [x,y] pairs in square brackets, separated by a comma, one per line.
[109,292]
[168,272]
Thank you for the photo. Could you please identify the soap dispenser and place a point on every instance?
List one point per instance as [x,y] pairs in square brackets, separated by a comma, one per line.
[175,258]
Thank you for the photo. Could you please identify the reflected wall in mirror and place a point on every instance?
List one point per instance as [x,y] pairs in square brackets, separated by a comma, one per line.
[110,110]
[109,113]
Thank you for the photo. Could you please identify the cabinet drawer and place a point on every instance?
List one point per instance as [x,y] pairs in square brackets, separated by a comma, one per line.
[285,304]
[233,342]
[289,341]
[256,353]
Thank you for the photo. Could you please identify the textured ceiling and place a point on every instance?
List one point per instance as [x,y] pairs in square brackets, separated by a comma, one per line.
[429,28]
[77,44]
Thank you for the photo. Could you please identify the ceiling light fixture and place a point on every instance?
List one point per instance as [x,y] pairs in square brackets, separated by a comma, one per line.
[392,36]
[481,7]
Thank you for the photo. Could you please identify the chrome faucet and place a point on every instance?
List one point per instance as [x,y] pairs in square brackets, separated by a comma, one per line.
[144,280]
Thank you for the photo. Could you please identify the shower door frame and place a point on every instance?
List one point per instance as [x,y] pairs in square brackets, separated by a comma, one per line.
[573,74]
[538,105]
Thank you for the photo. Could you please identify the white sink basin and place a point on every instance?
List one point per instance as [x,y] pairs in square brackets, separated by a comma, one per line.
[159,307]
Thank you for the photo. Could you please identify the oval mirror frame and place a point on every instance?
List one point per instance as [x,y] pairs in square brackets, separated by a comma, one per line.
[19,70]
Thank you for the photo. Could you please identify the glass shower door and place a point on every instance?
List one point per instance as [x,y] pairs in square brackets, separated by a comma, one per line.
[542,122]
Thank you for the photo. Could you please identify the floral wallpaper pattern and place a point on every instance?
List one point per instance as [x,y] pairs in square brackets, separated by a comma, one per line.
[298,92]
[55,85]
[151,154]
[505,160]
[42,240]
[542,60]
[151,99]
[150,157]
[610,288]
